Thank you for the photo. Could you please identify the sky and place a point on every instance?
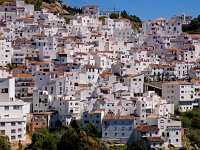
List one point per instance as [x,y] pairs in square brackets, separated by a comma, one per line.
[145,9]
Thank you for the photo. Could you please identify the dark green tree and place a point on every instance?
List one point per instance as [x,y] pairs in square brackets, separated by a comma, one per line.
[102,18]
[69,140]
[114,16]
[91,130]
[137,145]
[20,146]
[195,122]
[77,140]
[58,124]
[186,123]
[124,14]
[194,136]
[42,139]
[4,143]
[74,124]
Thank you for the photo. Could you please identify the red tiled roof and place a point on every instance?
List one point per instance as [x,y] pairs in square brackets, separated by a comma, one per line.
[155,139]
[118,117]
[61,53]
[147,128]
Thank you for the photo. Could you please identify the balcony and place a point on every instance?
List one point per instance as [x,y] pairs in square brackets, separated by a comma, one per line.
[25,85]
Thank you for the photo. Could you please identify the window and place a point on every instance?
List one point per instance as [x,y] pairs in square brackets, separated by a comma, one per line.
[12,137]
[163,134]
[19,130]
[12,123]
[115,134]
[20,136]
[176,140]
[168,134]
[6,107]
[161,121]
[4,90]
[13,131]
[17,107]
[3,124]
[176,133]
[122,134]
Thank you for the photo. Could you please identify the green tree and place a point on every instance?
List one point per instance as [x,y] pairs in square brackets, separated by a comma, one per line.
[91,130]
[186,123]
[137,145]
[4,143]
[42,139]
[58,124]
[124,14]
[10,67]
[193,27]
[20,146]
[102,18]
[67,20]
[77,140]
[195,122]
[69,140]
[194,136]
[114,16]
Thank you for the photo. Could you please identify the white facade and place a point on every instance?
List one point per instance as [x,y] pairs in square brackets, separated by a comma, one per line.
[180,93]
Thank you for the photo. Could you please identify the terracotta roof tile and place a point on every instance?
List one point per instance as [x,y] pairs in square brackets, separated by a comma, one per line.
[118,117]
[155,139]
[147,128]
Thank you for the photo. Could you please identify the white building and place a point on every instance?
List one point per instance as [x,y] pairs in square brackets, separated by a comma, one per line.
[12,112]
[183,18]
[180,93]
[118,128]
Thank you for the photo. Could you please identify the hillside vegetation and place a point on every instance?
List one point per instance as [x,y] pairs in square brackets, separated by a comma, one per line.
[135,21]
[2,1]
[191,123]
[54,6]
[193,27]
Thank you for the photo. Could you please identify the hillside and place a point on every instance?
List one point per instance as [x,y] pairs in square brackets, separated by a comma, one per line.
[55,6]
[1,1]
[193,27]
